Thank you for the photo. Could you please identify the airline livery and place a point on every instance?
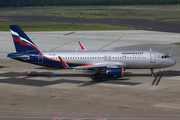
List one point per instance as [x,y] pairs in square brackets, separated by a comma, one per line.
[112,62]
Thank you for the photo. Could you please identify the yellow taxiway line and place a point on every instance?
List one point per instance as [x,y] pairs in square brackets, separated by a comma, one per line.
[62,45]
[111,42]
[10,65]
[157,79]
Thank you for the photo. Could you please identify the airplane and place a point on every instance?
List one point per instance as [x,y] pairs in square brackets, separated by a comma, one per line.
[112,62]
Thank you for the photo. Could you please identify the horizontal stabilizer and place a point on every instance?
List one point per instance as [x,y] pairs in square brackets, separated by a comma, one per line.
[23,57]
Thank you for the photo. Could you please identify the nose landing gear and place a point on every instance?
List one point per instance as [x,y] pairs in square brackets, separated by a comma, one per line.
[152,73]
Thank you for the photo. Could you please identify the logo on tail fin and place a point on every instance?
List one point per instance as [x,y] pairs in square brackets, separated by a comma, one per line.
[21,40]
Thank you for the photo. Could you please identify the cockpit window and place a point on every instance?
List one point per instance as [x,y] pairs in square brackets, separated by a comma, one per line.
[165,56]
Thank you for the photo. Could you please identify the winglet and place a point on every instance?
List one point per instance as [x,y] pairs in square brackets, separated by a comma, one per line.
[81,45]
[63,63]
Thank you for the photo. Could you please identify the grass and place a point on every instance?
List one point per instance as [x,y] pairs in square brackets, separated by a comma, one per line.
[147,7]
[96,11]
[176,20]
[143,15]
[119,14]
[178,43]
[55,26]
[83,12]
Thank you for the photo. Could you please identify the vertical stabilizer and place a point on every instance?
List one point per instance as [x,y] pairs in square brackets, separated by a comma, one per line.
[21,40]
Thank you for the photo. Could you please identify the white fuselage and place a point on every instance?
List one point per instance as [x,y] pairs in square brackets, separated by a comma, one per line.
[126,59]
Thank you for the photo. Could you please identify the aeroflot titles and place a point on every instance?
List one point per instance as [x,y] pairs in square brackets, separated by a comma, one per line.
[132,53]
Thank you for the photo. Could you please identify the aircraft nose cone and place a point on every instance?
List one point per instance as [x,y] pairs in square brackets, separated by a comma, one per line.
[173,62]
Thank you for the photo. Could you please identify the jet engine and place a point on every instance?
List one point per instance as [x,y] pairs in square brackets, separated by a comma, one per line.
[115,72]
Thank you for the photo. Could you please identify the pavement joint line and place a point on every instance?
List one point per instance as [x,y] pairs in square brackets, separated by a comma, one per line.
[62,45]
[71,118]
[10,65]
[112,42]
[6,39]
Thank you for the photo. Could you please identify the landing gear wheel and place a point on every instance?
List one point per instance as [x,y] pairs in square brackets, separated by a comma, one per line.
[93,77]
[152,75]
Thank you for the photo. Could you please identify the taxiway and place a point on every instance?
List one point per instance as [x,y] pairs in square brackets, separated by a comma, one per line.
[35,92]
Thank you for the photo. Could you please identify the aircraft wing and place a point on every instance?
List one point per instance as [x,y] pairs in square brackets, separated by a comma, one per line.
[103,65]
[89,66]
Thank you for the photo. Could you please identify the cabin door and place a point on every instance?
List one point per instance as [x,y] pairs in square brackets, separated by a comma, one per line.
[153,57]
[40,58]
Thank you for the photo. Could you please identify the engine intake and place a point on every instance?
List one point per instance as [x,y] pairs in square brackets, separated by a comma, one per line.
[115,72]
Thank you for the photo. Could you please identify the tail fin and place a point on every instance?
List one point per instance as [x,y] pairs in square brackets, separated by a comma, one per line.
[21,40]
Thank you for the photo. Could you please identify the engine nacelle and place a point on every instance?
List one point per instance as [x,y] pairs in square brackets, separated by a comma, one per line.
[115,72]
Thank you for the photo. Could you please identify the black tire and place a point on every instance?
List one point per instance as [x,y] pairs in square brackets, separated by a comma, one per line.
[93,77]
[152,75]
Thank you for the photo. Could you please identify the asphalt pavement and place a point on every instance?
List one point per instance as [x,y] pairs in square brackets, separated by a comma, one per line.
[152,24]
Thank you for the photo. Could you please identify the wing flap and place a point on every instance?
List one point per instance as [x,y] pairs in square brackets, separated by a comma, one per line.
[89,66]
[102,65]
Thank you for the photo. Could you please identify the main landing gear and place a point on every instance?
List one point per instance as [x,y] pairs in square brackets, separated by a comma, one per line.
[152,73]
[94,76]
